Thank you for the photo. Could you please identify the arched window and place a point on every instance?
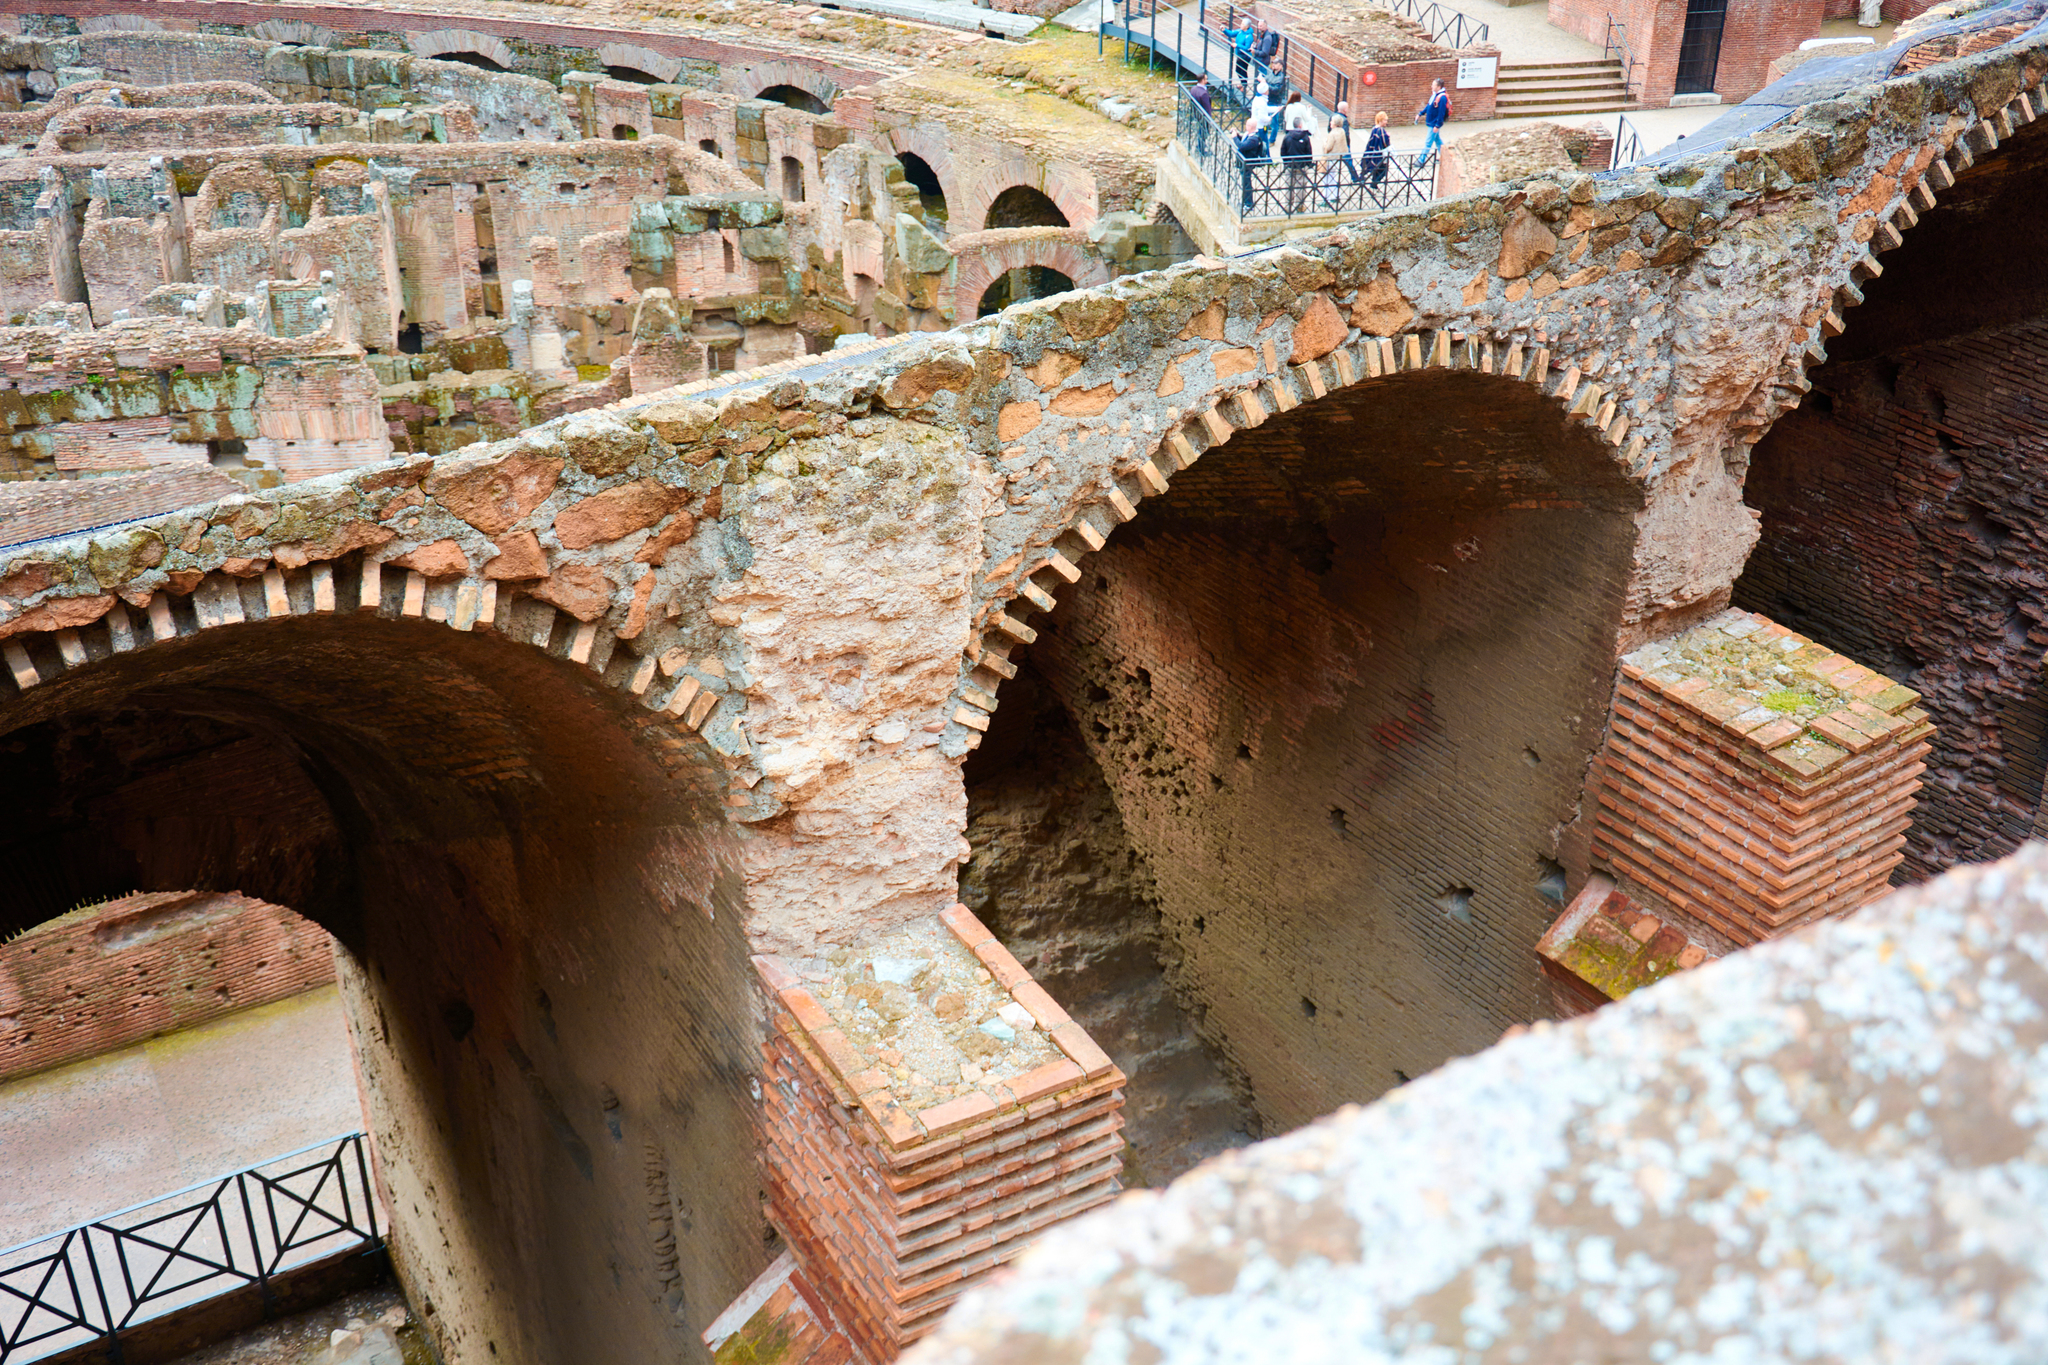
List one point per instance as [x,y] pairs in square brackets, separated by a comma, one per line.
[475,59]
[707,145]
[796,97]
[633,74]
[1025,282]
[625,132]
[1022,206]
[919,173]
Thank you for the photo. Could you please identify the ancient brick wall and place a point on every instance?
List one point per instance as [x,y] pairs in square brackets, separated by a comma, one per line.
[1905,514]
[1342,680]
[144,965]
[1056,877]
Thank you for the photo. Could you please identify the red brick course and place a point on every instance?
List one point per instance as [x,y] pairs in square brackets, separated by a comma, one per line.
[1754,34]
[1742,821]
[144,965]
[893,1214]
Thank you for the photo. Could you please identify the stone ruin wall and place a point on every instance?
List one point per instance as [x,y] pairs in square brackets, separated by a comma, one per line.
[832,584]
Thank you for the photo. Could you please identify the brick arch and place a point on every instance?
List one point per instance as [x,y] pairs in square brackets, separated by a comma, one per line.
[499,841]
[1251,384]
[1018,170]
[980,258]
[749,81]
[360,583]
[442,41]
[294,31]
[641,59]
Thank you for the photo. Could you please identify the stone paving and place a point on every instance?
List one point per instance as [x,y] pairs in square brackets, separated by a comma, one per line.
[83,1140]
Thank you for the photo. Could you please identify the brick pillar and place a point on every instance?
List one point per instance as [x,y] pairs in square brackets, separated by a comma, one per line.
[1754,781]
[897,1190]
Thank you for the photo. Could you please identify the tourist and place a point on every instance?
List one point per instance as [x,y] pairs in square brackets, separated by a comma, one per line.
[1297,153]
[1241,40]
[1376,156]
[1265,46]
[1337,145]
[1252,150]
[1283,115]
[1199,93]
[1261,112]
[1435,115]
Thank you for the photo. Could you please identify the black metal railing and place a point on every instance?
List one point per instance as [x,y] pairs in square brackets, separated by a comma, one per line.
[1276,187]
[1616,48]
[1628,144]
[95,1280]
[1195,44]
[1450,27]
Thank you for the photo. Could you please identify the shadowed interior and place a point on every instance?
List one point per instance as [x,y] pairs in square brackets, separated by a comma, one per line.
[1905,513]
[540,923]
[1343,681]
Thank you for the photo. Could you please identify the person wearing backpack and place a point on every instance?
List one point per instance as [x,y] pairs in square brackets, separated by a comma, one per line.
[1297,153]
[1435,114]
[1376,156]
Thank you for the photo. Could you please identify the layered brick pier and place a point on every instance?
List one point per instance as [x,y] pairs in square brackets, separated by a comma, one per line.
[927,1108]
[1753,781]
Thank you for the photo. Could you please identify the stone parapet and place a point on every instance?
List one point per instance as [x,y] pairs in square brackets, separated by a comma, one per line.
[1755,780]
[899,1191]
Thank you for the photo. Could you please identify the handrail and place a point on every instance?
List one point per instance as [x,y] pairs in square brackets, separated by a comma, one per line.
[93,1280]
[1447,26]
[1616,46]
[1628,144]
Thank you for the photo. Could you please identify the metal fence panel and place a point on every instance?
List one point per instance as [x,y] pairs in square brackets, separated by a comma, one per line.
[93,1280]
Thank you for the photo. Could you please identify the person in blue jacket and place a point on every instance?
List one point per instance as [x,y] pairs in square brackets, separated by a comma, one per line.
[1435,114]
[1241,39]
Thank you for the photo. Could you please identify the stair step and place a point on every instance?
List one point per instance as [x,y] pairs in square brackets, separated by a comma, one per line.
[1614,62]
[1566,111]
[1524,87]
[1601,97]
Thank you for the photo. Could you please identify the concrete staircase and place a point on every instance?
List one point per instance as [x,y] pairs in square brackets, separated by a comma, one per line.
[1561,89]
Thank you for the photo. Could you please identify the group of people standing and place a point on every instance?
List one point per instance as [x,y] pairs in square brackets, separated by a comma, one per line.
[1280,121]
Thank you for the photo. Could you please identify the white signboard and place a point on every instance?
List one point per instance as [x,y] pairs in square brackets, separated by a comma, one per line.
[1477,73]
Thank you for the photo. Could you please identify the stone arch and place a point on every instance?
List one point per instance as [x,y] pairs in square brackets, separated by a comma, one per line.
[937,155]
[452,43]
[659,65]
[304,32]
[1290,669]
[508,840]
[749,81]
[982,257]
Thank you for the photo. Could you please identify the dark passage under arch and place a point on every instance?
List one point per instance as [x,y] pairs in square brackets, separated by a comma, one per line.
[1023,206]
[1016,286]
[796,97]
[543,964]
[1338,687]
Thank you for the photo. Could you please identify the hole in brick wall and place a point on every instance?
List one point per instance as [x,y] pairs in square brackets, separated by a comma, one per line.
[1456,904]
[1215,783]
[458,1018]
[1337,818]
[1308,1008]
[1550,882]
[1530,756]
[1400,1077]
[1244,752]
